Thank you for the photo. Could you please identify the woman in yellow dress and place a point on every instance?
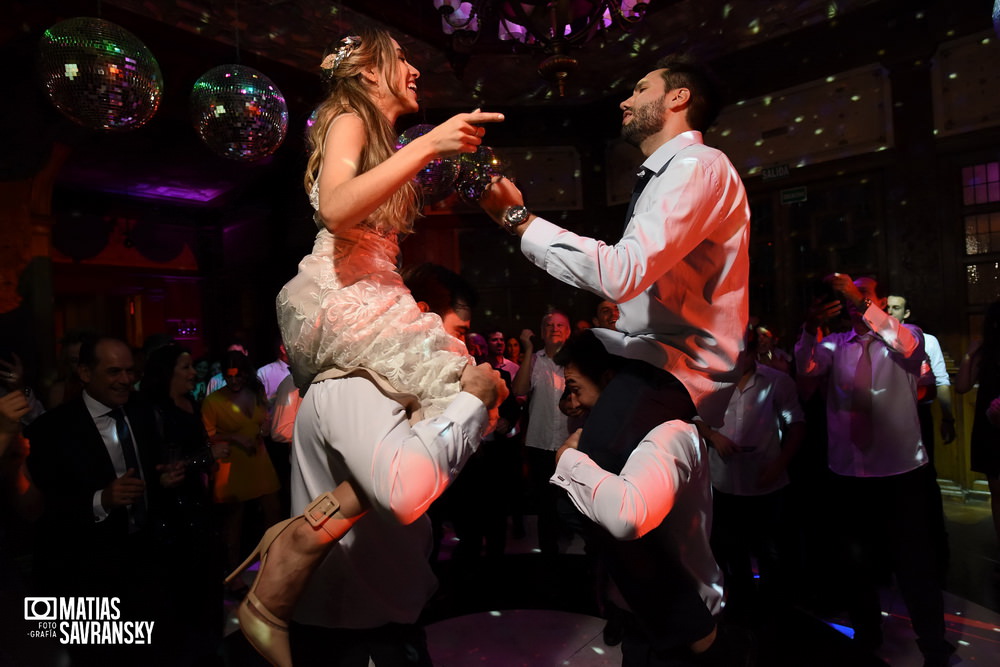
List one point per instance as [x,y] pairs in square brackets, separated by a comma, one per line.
[237,416]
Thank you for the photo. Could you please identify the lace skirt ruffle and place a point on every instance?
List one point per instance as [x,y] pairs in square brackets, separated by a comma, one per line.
[373,323]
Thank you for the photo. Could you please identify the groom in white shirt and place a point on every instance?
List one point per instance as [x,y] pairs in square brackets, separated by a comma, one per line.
[679,276]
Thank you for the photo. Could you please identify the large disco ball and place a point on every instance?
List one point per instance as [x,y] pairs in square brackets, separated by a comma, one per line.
[239,113]
[99,75]
[478,171]
[438,177]
[996,16]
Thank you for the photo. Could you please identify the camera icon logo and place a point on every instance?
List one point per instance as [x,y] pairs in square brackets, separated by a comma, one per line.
[40,609]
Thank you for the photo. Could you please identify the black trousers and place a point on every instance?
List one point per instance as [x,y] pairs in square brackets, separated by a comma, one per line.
[891,522]
[661,593]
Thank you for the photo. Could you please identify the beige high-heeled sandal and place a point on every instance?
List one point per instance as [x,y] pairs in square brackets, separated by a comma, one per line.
[265,631]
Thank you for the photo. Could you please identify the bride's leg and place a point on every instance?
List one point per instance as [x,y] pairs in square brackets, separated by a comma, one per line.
[289,553]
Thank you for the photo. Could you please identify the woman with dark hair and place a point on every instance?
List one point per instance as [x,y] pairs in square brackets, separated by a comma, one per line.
[187,532]
[981,366]
[236,415]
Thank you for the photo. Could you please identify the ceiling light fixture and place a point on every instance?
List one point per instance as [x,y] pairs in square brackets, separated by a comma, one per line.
[552,26]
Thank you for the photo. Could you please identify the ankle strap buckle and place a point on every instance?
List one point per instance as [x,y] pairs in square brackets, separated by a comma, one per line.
[321,509]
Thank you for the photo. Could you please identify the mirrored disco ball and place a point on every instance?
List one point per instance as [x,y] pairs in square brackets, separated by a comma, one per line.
[99,75]
[438,177]
[239,113]
[478,169]
[996,16]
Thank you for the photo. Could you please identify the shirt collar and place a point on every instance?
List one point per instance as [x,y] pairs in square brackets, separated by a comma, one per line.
[657,162]
[95,407]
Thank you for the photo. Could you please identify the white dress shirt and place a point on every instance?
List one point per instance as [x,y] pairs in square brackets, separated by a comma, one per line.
[896,355]
[271,375]
[936,359]
[286,405]
[679,273]
[547,426]
[756,414]
[215,383]
[379,572]
[667,475]
[109,434]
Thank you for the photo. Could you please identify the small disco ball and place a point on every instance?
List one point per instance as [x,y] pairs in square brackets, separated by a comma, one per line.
[996,16]
[239,113]
[478,171]
[438,177]
[99,75]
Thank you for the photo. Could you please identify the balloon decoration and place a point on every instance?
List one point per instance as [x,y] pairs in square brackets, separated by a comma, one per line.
[437,178]
[239,113]
[99,75]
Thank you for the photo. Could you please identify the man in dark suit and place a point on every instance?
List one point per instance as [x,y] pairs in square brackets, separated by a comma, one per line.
[94,459]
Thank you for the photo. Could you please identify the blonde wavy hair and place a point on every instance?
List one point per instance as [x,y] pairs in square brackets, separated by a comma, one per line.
[349,92]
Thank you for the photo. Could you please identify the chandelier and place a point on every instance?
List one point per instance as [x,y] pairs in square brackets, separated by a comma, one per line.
[550,25]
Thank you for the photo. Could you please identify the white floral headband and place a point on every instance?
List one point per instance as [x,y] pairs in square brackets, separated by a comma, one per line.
[346,48]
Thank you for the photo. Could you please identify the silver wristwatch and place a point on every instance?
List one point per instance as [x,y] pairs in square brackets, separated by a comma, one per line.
[513,217]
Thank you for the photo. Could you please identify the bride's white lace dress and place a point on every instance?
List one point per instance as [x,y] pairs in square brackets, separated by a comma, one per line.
[348,308]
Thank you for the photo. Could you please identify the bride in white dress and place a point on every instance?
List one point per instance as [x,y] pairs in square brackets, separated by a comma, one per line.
[347,308]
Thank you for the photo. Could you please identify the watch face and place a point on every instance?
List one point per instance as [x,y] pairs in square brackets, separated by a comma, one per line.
[516,215]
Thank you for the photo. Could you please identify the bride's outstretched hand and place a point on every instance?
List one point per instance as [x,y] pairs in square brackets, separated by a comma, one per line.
[461,133]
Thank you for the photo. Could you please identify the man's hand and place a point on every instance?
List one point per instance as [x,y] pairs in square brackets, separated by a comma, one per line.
[819,313]
[171,474]
[13,406]
[12,373]
[843,284]
[527,348]
[125,490]
[948,430]
[572,442]
[485,383]
[499,196]
[721,443]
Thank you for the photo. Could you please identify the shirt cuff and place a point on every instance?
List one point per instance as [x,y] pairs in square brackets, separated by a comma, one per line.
[468,412]
[537,239]
[100,514]
[577,469]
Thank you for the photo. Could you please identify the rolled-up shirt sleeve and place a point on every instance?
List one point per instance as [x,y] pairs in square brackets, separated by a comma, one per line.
[412,465]
[654,241]
[635,502]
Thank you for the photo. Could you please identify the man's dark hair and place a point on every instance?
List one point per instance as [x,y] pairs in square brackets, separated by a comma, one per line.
[440,288]
[682,71]
[906,300]
[88,350]
[589,355]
